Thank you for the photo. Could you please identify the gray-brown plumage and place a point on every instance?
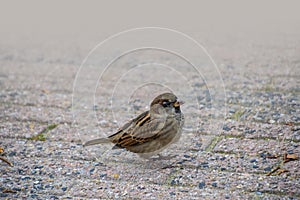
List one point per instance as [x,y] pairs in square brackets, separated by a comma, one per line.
[152,131]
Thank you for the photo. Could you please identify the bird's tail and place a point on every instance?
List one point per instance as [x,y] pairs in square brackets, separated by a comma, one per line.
[96,141]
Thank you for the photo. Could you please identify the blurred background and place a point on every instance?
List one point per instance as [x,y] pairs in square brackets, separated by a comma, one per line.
[36,29]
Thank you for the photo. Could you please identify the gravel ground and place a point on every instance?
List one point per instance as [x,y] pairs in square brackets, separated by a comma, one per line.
[241,140]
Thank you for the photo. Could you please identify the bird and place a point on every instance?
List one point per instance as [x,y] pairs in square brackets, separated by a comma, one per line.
[150,132]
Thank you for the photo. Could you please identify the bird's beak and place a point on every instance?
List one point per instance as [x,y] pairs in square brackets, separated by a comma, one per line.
[178,103]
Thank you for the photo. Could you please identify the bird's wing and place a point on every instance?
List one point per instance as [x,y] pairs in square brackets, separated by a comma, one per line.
[138,131]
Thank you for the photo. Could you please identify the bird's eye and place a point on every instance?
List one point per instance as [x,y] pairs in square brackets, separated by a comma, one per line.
[166,103]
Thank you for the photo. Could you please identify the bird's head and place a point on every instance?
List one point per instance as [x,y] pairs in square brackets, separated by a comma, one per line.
[166,103]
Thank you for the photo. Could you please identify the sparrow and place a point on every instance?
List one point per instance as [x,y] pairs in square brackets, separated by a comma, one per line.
[150,132]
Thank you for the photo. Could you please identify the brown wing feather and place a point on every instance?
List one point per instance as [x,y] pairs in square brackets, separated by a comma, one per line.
[137,131]
[123,137]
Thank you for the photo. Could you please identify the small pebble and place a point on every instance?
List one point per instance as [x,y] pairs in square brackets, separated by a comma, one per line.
[271,121]
[173,182]
[290,151]
[201,185]
[16,189]
[39,167]
[95,107]
[204,165]
[268,169]
[103,175]
[141,187]
[186,156]
[3,194]
[25,178]
[226,128]
[103,123]
[181,162]
[223,158]
[198,84]
[249,131]
[264,155]
[38,187]
[11,154]
[116,176]
[172,193]
[76,173]
[232,110]
[97,164]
